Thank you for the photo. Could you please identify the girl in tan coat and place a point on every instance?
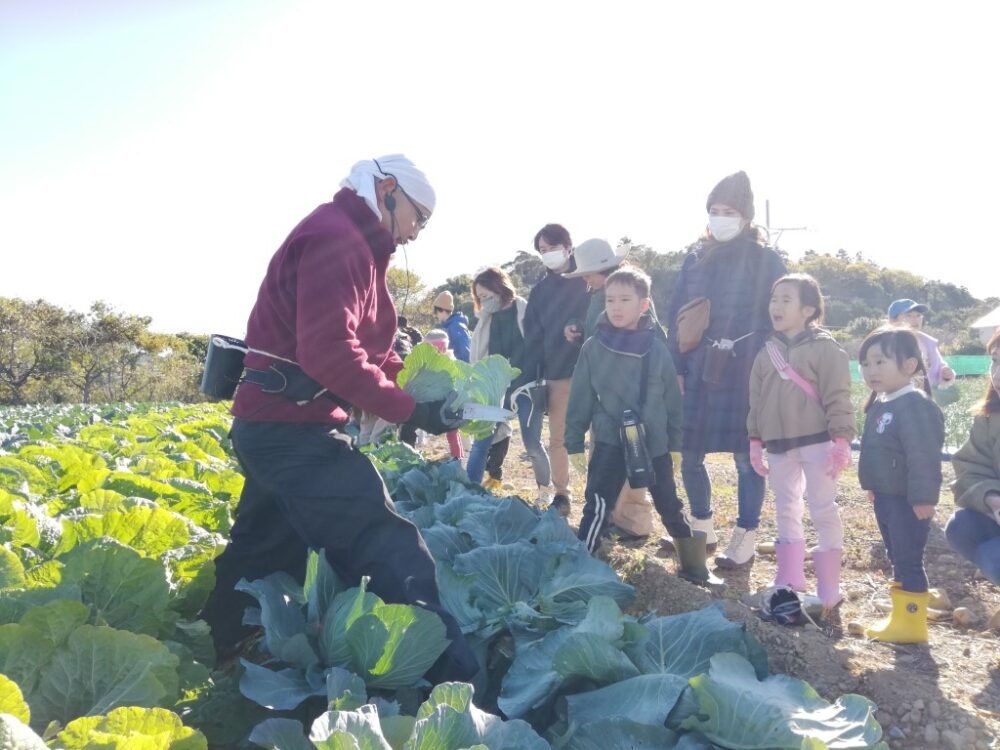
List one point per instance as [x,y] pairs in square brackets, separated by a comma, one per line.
[801,412]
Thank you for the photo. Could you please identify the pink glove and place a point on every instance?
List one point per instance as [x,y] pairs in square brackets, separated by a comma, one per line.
[757,457]
[840,457]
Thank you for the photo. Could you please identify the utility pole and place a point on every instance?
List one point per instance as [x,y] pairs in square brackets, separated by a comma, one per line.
[776,232]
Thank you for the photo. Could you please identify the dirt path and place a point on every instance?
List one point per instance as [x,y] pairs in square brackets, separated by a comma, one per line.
[944,695]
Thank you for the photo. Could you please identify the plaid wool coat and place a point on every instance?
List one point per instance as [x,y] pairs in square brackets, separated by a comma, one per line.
[737,277]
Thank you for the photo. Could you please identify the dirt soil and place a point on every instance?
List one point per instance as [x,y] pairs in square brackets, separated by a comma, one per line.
[944,695]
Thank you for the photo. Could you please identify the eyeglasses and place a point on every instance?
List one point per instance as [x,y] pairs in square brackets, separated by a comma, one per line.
[421,219]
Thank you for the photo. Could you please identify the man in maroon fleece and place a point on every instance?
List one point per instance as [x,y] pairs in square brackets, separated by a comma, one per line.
[324,304]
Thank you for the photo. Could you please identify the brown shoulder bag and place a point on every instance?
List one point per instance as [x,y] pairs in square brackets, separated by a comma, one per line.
[692,322]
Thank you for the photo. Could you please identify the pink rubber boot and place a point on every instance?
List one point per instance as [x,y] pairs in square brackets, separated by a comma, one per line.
[827,564]
[791,563]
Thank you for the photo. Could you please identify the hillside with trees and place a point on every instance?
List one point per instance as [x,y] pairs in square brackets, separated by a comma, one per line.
[857,293]
[52,355]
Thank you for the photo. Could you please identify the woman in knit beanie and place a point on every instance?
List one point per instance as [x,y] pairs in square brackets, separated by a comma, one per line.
[733,270]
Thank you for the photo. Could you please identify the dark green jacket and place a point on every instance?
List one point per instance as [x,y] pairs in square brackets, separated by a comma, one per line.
[606,382]
[595,309]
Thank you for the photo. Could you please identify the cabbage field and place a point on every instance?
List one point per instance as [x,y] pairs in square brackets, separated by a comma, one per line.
[112,517]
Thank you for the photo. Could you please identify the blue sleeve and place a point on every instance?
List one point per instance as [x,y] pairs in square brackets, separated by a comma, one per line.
[460,341]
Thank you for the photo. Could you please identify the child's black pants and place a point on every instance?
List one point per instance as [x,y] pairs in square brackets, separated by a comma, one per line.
[606,476]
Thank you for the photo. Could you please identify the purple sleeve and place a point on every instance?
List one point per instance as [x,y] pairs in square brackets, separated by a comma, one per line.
[934,362]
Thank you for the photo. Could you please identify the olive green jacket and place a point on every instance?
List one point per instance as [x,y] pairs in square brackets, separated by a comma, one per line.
[606,382]
[977,465]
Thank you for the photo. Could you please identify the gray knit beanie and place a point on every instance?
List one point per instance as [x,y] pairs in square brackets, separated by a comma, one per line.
[734,191]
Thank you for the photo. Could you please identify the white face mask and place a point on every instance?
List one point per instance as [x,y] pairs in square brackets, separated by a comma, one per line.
[490,305]
[554,259]
[724,228]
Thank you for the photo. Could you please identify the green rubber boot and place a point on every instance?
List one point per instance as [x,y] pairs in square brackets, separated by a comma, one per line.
[692,554]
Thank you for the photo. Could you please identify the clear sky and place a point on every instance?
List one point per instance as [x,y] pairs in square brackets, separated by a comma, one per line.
[154,154]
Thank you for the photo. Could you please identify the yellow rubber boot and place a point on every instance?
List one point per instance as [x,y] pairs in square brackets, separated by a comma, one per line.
[936,598]
[493,485]
[908,621]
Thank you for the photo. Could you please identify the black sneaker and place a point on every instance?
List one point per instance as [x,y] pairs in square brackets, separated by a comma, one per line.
[561,503]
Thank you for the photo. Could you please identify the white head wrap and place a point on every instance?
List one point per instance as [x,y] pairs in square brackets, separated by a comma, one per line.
[365,173]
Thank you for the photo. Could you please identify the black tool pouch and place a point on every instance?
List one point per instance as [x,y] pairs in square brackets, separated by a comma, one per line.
[223,366]
[225,369]
[286,379]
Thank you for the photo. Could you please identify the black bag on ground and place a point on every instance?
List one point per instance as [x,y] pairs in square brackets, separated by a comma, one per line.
[784,607]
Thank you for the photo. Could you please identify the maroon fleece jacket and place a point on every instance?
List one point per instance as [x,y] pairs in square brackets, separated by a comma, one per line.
[324,304]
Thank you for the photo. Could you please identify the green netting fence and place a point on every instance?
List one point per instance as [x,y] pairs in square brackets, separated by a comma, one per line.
[964,365]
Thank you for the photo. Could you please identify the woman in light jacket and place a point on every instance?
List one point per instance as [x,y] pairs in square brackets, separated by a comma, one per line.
[500,330]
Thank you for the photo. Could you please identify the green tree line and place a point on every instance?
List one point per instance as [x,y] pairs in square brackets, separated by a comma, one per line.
[856,292]
[48,354]
[52,355]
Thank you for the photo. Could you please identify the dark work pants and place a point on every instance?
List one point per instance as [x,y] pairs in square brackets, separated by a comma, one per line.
[408,435]
[306,488]
[905,537]
[495,458]
[606,476]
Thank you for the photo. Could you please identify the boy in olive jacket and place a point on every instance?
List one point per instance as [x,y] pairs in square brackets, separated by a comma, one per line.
[626,365]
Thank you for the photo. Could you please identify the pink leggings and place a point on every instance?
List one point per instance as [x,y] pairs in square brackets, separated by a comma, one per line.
[802,471]
[455,444]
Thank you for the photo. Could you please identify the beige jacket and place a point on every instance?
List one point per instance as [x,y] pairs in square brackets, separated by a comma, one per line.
[977,465]
[782,415]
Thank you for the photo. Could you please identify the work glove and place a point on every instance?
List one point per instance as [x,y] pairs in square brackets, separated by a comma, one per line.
[840,457]
[579,463]
[436,417]
[757,457]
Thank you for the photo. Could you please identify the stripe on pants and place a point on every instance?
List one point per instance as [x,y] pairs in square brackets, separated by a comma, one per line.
[600,510]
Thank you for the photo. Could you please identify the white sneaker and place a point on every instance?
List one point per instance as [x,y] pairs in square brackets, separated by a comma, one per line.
[696,524]
[740,551]
[706,525]
[544,496]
